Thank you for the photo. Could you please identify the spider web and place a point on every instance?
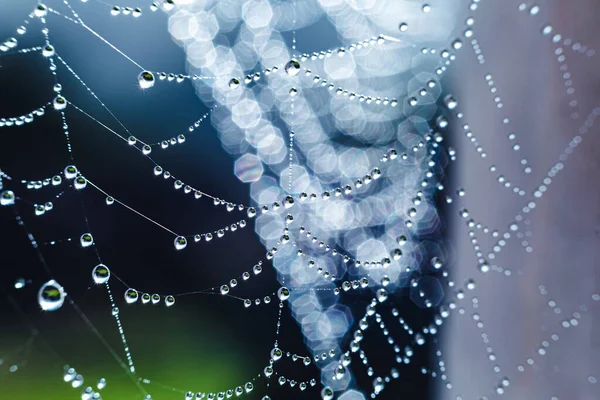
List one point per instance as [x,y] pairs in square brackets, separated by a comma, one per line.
[332,171]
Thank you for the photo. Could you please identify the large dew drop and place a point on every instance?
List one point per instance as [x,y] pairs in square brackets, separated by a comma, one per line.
[180,243]
[40,11]
[146,79]
[283,293]
[51,296]
[292,68]
[327,393]
[131,296]
[7,198]
[86,240]
[234,83]
[59,103]
[70,172]
[100,274]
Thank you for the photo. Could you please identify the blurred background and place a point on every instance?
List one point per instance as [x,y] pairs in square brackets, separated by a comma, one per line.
[538,323]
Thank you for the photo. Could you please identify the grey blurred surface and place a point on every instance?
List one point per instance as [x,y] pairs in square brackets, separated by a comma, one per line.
[565,225]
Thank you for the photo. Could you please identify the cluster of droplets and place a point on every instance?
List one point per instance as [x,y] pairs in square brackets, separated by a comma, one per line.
[23,119]
[238,391]
[132,296]
[135,12]
[76,380]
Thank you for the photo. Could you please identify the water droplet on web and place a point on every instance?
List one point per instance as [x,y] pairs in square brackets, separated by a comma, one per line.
[168,5]
[327,393]
[146,79]
[292,68]
[70,172]
[80,183]
[77,381]
[101,384]
[288,202]
[51,296]
[169,301]
[100,274]
[69,374]
[382,295]
[131,296]
[180,243]
[234,83]
[48,51]
[59,103]
[450,102]
[534,10]
[41,11]
[86,240]
[442,121]
[378,385]
[40,210]
[7,198]
[471,284]
[403,27]
[436,263]
[283,293]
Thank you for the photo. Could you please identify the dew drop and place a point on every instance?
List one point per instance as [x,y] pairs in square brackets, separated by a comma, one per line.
[283,293]
[450,102]
[70,172]
[234,83]
[41,11]
[382,295]
[59,103]
[51,296]
[20,283]
[100,274]
[86,240]
[80,183]
[180,243]
[146,79]
[48,51]
[7,198]
[131,296]
[327,393]
[292,68]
